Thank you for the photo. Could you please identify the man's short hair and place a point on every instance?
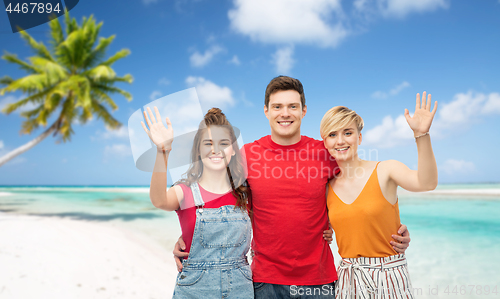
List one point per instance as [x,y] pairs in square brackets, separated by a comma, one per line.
[285,83]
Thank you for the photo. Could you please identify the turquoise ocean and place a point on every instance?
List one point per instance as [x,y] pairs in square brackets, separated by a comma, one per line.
[454,252]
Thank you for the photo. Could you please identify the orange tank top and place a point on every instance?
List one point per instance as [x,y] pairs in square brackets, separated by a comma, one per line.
[364,227]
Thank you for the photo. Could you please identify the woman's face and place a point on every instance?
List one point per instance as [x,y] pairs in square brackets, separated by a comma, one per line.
[343,144]
[215,145]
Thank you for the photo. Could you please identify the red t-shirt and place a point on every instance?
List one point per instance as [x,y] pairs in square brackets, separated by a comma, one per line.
[187,217]
[288,186]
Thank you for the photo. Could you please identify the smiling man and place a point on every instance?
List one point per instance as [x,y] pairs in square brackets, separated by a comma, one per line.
[287,174]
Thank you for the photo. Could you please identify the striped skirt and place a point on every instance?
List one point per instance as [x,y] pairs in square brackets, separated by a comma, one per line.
[376,277]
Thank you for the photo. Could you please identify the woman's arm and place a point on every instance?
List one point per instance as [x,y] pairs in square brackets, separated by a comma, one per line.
[425,178]
[162,138]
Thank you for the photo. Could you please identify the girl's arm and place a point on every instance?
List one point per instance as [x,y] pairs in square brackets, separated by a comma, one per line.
[425,178]
[162,138]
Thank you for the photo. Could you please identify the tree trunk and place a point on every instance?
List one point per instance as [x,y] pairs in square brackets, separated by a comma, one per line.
[14,153]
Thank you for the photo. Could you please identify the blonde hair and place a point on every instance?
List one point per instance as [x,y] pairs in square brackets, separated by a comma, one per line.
[338,118]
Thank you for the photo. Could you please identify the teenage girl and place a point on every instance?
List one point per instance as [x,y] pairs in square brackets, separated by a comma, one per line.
[211,203]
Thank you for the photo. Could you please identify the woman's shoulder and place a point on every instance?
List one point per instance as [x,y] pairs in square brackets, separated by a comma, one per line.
[388,168]
[388,164]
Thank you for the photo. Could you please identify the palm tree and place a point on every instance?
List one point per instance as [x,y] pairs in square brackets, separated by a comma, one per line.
[72,80]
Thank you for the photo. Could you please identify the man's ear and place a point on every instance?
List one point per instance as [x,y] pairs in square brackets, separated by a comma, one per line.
[266,111]
[304,110]
[360,138]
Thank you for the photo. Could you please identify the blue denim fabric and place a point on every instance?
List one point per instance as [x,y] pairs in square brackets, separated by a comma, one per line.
[217,265]
[277,291]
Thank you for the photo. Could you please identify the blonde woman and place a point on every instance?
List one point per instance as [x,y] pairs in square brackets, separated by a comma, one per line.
[363,203]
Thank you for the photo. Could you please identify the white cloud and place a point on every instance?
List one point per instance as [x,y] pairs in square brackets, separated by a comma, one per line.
[283,60]
[464,110]
[121,150]
[492,105]
[156,94]
[452,166]
[4,101]
[401,8]
[210,93]
[394,91]
[200,60]
[391,132]
[235,60]
[164,81]
[1,144]
[289,21]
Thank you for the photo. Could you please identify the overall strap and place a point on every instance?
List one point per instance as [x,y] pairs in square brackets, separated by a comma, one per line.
[198,201]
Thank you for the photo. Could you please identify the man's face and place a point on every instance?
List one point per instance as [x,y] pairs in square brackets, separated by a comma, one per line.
[285,114]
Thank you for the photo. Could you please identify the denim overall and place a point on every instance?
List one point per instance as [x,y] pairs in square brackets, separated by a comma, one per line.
[217,266]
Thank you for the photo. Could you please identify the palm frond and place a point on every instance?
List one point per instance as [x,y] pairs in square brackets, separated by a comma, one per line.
[28,126]
[101,72]
[42,117]
[11,107]
[39,47]
[71,24]
[54,71]
[29,84]
[32,113]
[127,79]
[118,55]
[104,98]
[6,80]
[104,115]
[98,52]
[12,58]
[91,31]
[66,116]
[72,48]
[35,98]
[112,89]
[56,32]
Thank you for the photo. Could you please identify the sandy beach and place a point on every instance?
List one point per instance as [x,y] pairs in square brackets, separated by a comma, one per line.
[107,242]
[54,258]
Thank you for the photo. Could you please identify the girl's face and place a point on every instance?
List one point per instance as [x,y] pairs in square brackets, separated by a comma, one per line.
[215,145]
[343,144]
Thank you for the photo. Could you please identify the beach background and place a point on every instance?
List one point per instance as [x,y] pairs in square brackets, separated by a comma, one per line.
[110,242]
[75,217]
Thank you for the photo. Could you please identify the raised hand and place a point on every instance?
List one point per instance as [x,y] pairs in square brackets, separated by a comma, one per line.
[421,121]
[162,137]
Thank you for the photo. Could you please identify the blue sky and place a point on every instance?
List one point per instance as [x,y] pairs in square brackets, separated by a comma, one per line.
[372,56]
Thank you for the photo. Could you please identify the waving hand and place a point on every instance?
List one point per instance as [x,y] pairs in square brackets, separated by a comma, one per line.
[421,121]
[161,136]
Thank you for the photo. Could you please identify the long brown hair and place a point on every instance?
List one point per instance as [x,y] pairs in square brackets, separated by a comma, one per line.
[239,185]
